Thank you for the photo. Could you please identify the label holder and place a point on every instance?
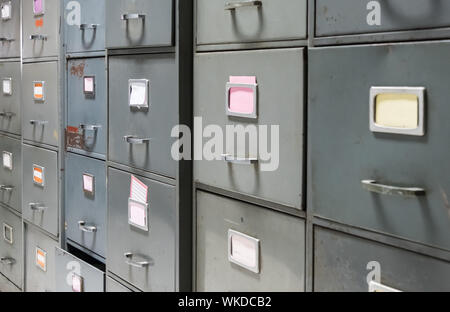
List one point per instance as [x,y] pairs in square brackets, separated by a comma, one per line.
[7,81]
[7,155]
[9,16]
[146,83]
[254,241]
[37,97]
[254,88]
[87,92]
[41,264]
[8,234]
[86,190]
[36,11]
[132,202]
[35,179]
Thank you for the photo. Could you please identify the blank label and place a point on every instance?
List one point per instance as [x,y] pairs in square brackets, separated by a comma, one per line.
[138,93]
[7,160]
[397,110]
[7,86]
[242,99]
[243,250]
[88,184]
[6,11]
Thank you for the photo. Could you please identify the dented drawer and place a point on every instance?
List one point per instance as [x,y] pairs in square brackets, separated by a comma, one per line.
[11,173]
[242,247]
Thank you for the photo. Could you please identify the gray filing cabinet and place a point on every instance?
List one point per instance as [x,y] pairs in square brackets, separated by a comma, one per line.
[40,265]
[41,28]
[378,138]
[140,23]
[40,188]
[84,26]
[11,173]
[85,202]
[87,105]
[242,247]
[11,248]
[146,258]
[76,275]
[250,21]
[10,29]
[10,90]
[348,263]
[41,105]
[276,103]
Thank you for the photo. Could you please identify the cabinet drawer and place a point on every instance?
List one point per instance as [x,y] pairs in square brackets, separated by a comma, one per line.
[11,173]
[10,89]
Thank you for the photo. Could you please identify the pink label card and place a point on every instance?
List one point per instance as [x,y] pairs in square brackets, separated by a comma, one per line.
[242,99]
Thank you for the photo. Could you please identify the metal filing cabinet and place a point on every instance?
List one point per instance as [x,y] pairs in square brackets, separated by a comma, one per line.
[41,28]
[10,113]
[40,188]
[242,247]
[9,28]
[76,275]
[85,208]
[87,106]
[41,105]
[276,102]
[84,25]
[140,136]
[144,257]
[350,17]
[11,249]
[378,139]
[242,21]
[40,259]
[11,173]
[139,23]
[7,286]
[348,263]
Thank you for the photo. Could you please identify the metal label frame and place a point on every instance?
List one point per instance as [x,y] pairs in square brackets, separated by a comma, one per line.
[10,155]
[41,12]
[10,85]
[43,175]
[43,91]
[10,10]
[255,241]
[89,93]
[8,228]
[378,287]
[254,88]
[145,206]
[36,259]
[146,105]
[418,91]
[89,193]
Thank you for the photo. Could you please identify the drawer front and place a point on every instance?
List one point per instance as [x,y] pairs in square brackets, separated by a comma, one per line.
[11,249]
[279,103]
[347,263]
[113,286]
[11,173]
[41,116]
[40,188]
[10,116]
[10,29]
[155,247]
[84,25]
[86,202]
[41,25]
[223,263]
[87,104]
[358,17]
[40,265]
[270,21]
[7,286]
[139,23]
[75,275]
[346,155]
[154,123]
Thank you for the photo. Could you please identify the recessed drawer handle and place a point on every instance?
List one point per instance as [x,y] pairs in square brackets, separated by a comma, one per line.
[38,37]
[37,207]
[132,16]
[7,114]
[230,6]
[86,228]
[134,140]
[8,261]
[7,188]
[89,26]
[373,186]
[4,39]
[38,122]
[136,264]
[239,160]
[90,127]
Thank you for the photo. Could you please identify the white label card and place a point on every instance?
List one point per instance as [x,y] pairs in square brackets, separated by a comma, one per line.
[138,190]
[89,85]
[7,160]
[138,92]
[243,250]
[138,214]
[38,90]
[88,183]
[6,10]
[7,86]
[77,283]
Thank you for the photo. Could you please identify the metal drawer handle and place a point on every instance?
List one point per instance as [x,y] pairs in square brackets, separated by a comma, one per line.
[86,228]
[130,139]
[4,39]
[38,122]
[89,26]
[231,6]
[239,160]
[7,114]
[89,127]
[38,37]
[8,188]
[373,186]
[37,207]
[132,16]
[136,264]
[8,261]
